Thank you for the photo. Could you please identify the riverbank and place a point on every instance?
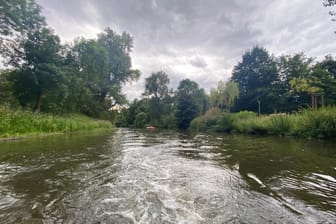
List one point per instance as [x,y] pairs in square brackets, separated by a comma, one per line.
[307,123]
[14,124]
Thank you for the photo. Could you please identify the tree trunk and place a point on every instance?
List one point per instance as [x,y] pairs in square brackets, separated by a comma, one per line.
[39,103]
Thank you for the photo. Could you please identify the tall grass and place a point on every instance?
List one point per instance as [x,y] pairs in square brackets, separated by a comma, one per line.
[316,123]
[208,120]
[14,123]
[308,123]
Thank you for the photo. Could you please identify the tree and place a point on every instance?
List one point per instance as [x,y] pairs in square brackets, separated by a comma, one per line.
[297,66]
[256,75]
[18,18]
[160,102]
[119,70]
[104,64]
[225,95]
[191,102]
[140,120]
[6,94]
[325,71]
[319,81]
[156,85]
[39,73]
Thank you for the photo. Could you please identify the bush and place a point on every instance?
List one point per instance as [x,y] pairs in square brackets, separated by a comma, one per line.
[140,120]
[224,123]
[168,121]
[25,122]
[309,123]
[280,124]
[206,121]
[250,125]
[316,123]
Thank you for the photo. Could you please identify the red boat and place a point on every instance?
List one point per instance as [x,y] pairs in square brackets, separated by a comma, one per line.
[150,127]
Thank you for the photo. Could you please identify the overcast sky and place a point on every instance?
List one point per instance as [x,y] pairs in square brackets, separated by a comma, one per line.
[197,39]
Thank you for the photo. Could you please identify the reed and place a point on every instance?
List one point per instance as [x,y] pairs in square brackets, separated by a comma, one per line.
[307,123]
[19,122]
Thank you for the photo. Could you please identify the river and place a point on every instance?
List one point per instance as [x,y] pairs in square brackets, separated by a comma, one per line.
[137,176]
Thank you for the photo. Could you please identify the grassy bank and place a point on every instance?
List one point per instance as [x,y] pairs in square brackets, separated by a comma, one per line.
[20,123]
[319,123]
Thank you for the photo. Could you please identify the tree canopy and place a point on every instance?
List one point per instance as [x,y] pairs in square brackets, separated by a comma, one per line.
[18,18]
[85,76]
[156,85]
[191,102]
[256,75]
[224,95]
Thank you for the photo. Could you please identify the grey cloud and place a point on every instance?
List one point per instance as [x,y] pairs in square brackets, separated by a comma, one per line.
[170,34]
[198,61]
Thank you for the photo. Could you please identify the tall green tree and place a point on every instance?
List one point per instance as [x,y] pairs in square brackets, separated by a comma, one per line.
[320,80]
[160,101]
[39,73]
[256,75]
[105,65]
[156,85]
[119,70]
[191,102]
[292,67]
[326,72]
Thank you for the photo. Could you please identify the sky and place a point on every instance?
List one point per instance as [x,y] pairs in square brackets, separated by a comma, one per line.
[197,39]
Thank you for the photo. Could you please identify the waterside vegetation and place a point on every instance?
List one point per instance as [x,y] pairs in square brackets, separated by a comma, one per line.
[20,123]
[85,78]
[307,123]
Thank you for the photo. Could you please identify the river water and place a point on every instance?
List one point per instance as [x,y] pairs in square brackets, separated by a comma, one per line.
[136,176]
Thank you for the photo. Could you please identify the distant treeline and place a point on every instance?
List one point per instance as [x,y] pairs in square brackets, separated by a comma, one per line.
[260,82]
[86,77]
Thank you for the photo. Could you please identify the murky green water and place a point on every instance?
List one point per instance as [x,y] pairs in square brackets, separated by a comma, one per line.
[165,177]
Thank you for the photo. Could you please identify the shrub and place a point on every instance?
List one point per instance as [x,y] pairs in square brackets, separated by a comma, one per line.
[206,121]
[224,123]
[309,123]
[140,120]
[319,123]
[280,124]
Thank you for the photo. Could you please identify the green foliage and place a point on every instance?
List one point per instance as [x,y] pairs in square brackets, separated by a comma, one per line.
[39,73]
[206,121]
[101,66]
[15,123]
[156,85]
[256,76]
[282,84]
[308,123]
[158,103]
[168,121]
[18,18]
[280,124]
[191,101]
[140,120]
[186,111]
[6,94]
[225,95]
[316,123]
[254,125]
